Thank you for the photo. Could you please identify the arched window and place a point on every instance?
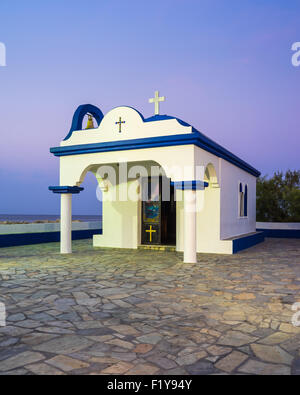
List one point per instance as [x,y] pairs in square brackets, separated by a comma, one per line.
[246,201]
[241,198]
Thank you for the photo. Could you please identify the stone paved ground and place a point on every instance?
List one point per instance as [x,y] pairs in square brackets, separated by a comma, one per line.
[102,311]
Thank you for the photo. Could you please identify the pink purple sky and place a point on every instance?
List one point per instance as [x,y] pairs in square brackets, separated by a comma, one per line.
[224,66]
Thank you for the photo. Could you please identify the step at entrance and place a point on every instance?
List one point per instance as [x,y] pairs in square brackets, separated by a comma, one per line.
[156,247]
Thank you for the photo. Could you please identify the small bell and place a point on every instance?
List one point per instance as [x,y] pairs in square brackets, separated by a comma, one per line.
[90,123]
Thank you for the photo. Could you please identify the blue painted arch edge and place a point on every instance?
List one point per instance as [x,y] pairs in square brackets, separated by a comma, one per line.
[80,114]
[65,189]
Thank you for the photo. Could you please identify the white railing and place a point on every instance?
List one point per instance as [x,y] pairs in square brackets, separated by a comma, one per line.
[278,225]
[46,227]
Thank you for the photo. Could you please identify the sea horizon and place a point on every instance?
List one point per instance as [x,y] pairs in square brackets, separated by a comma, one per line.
[46,217]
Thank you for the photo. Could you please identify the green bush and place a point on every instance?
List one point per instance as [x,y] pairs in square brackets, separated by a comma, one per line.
[278,198]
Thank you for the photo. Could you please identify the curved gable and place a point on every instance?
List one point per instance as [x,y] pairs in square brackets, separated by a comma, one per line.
[125,128]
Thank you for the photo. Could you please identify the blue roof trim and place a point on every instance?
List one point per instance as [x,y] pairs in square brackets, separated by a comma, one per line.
[195,138]
[80,114]
[65,189]
[165,117]
[209,145]
[190,185]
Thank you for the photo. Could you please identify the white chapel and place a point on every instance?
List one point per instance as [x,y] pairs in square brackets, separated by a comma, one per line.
[163,183]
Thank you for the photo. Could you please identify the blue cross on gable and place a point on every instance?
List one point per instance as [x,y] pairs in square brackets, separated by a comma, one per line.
[120,124]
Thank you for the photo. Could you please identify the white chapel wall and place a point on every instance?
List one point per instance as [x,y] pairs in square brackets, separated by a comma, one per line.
[73,167]
[121,220]
[208,208]
[208,223]
[231,222]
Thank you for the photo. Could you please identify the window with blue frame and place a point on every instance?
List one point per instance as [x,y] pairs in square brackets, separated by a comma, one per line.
[241,200]
[246,201]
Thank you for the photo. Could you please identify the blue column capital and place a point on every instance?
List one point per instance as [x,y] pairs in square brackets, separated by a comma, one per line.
[190,185]
[65,189]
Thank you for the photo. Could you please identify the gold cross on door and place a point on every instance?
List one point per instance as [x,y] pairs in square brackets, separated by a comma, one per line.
[150,231]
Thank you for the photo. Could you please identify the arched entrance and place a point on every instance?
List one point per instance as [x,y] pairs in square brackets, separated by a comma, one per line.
[138,205]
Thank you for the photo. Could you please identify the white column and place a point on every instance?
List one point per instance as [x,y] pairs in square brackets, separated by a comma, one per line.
[66,223]
[190,241]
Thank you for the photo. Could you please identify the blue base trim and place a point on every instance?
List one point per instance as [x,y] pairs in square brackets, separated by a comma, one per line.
[66,189]
[281,233]
[20,239]
[242,243]
[191,185]
[195,138]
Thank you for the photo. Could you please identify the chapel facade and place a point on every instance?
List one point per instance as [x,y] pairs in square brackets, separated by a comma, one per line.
[163,183]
